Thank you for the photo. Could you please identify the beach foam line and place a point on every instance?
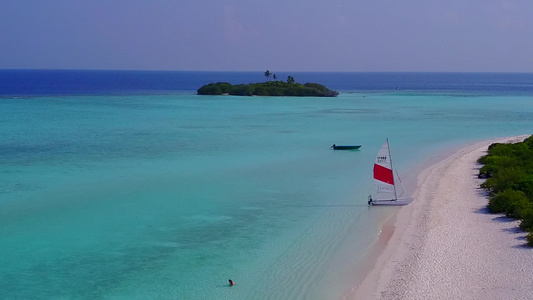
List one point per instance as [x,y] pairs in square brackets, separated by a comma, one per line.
[446,245]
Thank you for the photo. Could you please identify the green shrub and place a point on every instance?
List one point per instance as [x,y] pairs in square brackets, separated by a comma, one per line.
[525,184]
[210,89]
[506,202]
[498,204]
[218,88]
[527,219]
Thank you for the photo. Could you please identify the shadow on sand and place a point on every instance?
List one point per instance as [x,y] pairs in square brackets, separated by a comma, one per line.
[513,230]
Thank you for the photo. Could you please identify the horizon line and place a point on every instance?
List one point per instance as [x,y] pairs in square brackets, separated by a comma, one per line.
[254,71]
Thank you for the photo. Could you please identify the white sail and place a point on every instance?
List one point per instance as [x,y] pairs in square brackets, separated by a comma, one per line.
[383,174]
[389,191]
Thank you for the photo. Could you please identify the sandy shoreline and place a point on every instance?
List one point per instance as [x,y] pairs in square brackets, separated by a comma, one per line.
[446,245]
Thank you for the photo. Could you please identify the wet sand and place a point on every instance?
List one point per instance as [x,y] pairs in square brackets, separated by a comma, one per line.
[446,245]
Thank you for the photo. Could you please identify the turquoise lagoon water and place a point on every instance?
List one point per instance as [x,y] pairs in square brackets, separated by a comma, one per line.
[169,196]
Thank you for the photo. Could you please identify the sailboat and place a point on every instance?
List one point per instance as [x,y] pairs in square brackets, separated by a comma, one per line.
[389,190]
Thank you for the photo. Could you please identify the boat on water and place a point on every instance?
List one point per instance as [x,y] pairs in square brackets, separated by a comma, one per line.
[389,188]
[345,147]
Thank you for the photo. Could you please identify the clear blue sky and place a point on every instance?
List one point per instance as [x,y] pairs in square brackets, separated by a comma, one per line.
[253,35]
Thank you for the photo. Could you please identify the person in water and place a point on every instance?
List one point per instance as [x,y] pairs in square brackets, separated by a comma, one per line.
[231,283]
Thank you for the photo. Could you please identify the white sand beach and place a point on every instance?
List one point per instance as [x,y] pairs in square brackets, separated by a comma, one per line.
[446,245]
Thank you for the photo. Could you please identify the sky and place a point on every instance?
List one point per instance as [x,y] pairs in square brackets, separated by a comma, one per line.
[256,35]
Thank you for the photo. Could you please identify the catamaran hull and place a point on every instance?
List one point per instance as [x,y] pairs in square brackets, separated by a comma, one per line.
[397,202]
[389,202]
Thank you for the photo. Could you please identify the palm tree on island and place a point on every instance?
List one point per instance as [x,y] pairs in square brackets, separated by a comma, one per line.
[267,74]
[290,80]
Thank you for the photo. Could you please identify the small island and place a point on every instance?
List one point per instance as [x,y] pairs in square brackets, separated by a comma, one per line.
[268,88]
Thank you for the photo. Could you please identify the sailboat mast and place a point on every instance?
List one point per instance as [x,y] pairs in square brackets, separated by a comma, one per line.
[390,158]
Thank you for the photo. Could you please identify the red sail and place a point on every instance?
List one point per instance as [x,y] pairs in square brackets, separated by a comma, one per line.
[383,174]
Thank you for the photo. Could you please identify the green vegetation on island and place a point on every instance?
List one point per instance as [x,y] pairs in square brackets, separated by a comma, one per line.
[268,88]
[509,172]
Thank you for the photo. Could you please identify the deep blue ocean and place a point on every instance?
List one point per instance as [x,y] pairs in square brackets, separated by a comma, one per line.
[69,82]
[128,185]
